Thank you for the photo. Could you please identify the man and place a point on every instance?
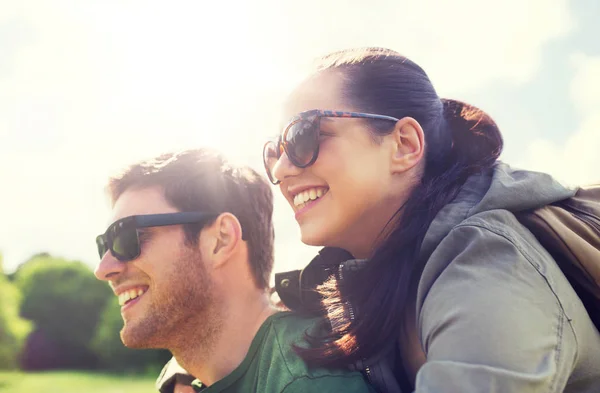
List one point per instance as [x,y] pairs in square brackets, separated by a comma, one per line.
[189,255]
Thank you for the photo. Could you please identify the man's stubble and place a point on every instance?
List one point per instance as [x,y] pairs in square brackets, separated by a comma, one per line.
[184,309]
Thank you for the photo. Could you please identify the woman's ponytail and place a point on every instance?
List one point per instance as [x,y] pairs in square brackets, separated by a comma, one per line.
[476,139]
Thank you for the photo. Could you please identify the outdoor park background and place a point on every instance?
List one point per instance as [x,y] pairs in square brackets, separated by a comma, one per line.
[87,87]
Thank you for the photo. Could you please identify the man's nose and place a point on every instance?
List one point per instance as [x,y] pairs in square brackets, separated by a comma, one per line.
[109,267]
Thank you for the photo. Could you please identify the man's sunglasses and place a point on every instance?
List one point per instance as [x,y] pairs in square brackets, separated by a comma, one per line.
[122,236]
[300,138]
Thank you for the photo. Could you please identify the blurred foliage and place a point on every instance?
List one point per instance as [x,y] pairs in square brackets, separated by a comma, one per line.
[64,300]
[13,329]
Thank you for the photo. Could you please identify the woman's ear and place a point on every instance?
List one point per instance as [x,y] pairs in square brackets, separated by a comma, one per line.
[408,145]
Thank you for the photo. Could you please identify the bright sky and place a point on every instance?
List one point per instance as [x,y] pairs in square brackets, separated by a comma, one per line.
[89,86]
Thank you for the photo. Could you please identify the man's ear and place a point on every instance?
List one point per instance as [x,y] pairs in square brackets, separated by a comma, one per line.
[408,145]
[221,239]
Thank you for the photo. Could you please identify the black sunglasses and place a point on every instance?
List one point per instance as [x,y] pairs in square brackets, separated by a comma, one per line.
[300,138]
[122,237]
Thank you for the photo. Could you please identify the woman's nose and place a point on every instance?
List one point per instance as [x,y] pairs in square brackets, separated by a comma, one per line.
[284,168]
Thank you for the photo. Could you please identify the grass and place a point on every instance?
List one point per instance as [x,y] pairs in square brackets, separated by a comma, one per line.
[74,381]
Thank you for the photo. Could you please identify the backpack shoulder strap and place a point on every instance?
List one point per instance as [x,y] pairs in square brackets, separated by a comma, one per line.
[570,231]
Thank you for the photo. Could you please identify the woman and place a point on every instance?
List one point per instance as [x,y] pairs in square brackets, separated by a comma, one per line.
[374,162]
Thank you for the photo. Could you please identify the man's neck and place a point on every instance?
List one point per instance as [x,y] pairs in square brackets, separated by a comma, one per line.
[228,343]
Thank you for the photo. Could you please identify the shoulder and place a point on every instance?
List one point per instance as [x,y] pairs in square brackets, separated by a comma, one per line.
[288,330]
[490,246]
[491,295]
[489,257]
[492,256]
[349,383]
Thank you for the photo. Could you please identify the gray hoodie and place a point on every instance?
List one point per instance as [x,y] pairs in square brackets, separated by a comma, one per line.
[494,311]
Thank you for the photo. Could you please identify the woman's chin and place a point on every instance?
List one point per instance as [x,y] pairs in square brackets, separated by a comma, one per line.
[312,238]
[319,230]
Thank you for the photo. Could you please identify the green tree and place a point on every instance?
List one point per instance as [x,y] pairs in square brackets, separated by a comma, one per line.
[114,355]
[13,329]
[64,300]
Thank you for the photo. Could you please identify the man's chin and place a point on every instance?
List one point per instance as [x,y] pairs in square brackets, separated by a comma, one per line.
[136,339]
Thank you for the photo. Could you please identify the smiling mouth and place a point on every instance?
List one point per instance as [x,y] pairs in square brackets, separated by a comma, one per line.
[312,194]
[130,295]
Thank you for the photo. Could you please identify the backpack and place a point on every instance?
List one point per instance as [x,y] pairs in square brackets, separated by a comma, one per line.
[569,230]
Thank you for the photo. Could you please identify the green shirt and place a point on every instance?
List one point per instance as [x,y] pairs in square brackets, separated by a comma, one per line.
[272,366]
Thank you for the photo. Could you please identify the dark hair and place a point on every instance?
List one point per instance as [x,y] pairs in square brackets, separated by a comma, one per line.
[202,180]
[460,140]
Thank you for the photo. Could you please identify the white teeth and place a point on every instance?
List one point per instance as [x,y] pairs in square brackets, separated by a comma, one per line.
[129,295]
[308,195]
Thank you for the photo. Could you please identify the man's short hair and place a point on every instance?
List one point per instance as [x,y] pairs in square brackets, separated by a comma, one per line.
[203,180]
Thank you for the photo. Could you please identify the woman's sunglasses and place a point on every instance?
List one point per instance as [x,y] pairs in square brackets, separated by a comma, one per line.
[300,139]
[122,237]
